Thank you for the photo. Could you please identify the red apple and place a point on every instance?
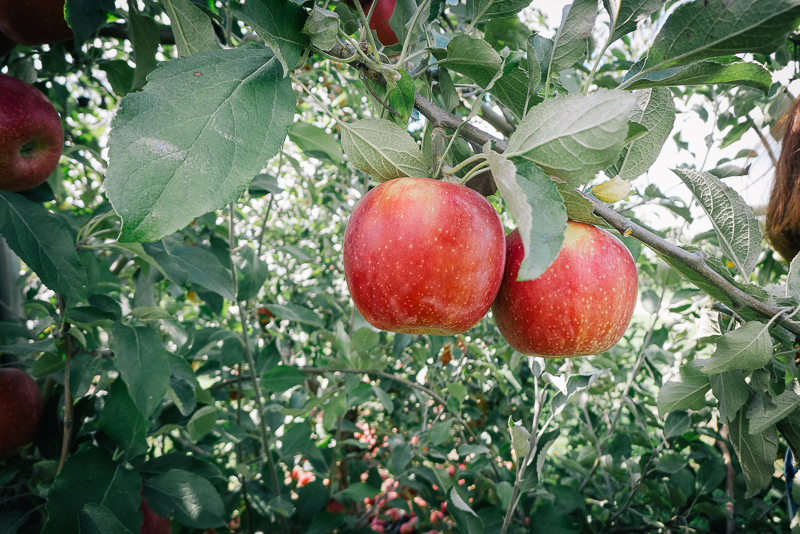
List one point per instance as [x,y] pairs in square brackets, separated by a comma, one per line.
[20,410]
[34,22]
[581,305]
[380,21]
[30,136]
[423,256]
[152,523]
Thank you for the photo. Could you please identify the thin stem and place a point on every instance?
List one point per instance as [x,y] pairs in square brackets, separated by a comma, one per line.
[333,456]
[533,444]
[68,408]
[475,170]
[262,425]
[260,239]
[407,42]
[597,62]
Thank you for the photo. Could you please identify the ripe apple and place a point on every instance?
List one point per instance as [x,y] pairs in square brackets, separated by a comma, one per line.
[34,22]
[30,136]
[423,256]
[20,410]
[380,21]
[581,305]
[152,523]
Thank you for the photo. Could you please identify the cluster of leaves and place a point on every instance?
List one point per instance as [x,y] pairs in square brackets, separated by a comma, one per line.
[198,326]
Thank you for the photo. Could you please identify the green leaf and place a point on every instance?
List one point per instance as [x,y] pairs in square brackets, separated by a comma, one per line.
[793,280]
[471,57]
[677,423]
[710,475]
[514,89]
[790,430]
[322,27]
[360,491]
[734,221]
[383,149]
[756,453]
[520,440]
[97,519]
[401,96]
[190,26]
[280,24]
[120,75]
[440,432]
[746,348]
[142,362]
[251,274]
[91,476]
[493,9]
[297,313]
[707,73]
[627,14]
[450,97]
[86,16]
[527,190]
[573,137]
[144,36]
[579,207]
[186,264]
[188,497]
[179,142]
[765,412]
[712,28]
[688,394]
[202,422]
[731,392]
[655,110]
[149,314]
[572,37]
[401,457]
[123,422]
[315,142]
[282,377]
[44,243]
[467,520]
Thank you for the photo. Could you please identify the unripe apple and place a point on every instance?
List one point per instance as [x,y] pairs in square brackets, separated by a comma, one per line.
[423,256]
[380,21]
[34,22]
[581,305]
[30,136]
[152,523]
[20,410]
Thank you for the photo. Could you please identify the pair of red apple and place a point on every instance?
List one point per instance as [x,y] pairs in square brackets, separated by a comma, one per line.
[429,257]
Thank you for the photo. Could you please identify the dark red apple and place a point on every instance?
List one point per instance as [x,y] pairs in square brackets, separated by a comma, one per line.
[380,21]
[152,523]
[423,256]
[34,22]
[6,45]
[20,410]
[30,136]
[581,305]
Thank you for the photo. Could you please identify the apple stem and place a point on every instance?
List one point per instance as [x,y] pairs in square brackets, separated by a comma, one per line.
[63,332]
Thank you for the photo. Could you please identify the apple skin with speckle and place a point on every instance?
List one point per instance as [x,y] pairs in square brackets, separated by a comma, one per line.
[423,256]
[20,410]
[581,305]
[31,136]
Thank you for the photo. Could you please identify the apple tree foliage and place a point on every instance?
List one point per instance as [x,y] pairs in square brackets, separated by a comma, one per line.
[184,306]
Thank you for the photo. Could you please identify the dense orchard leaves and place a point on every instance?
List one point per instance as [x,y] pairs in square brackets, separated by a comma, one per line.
[176,290]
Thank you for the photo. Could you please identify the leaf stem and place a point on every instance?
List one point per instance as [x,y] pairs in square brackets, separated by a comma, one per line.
[407,42]
[63,332]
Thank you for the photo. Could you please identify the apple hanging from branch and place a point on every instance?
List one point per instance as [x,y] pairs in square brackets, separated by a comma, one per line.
[31,136]
[423,256]
[34,22]
[20,410]
[581,305]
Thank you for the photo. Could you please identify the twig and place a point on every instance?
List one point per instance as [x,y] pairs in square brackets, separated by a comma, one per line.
[68,408]
[730,523]
[764,141]
[497,121]
[262,425]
